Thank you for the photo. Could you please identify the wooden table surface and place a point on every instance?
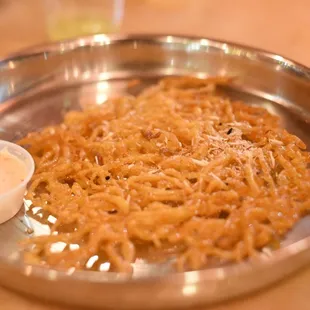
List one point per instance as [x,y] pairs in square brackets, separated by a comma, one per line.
[281,26]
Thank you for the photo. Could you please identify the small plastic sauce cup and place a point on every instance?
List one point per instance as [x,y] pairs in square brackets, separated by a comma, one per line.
[11,199]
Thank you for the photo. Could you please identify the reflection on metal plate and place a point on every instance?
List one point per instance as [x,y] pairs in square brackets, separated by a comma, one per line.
[40,85]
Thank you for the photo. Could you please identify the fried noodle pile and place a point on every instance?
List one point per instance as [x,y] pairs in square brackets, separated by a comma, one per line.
[178,168]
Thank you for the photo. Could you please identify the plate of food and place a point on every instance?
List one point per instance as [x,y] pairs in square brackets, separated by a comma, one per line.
[167,168]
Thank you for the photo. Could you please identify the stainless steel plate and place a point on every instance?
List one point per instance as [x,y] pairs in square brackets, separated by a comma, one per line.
[38,86]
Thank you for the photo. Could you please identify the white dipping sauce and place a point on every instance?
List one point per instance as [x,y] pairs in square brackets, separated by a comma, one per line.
[13,171]
[16,170]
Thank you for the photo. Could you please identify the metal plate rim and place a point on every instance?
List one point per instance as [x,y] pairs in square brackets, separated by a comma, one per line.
[107,39]
[193,277]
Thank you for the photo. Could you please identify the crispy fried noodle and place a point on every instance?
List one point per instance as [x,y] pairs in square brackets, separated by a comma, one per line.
[178,170]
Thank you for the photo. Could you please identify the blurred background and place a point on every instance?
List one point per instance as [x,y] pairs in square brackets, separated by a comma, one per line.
[280,26]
